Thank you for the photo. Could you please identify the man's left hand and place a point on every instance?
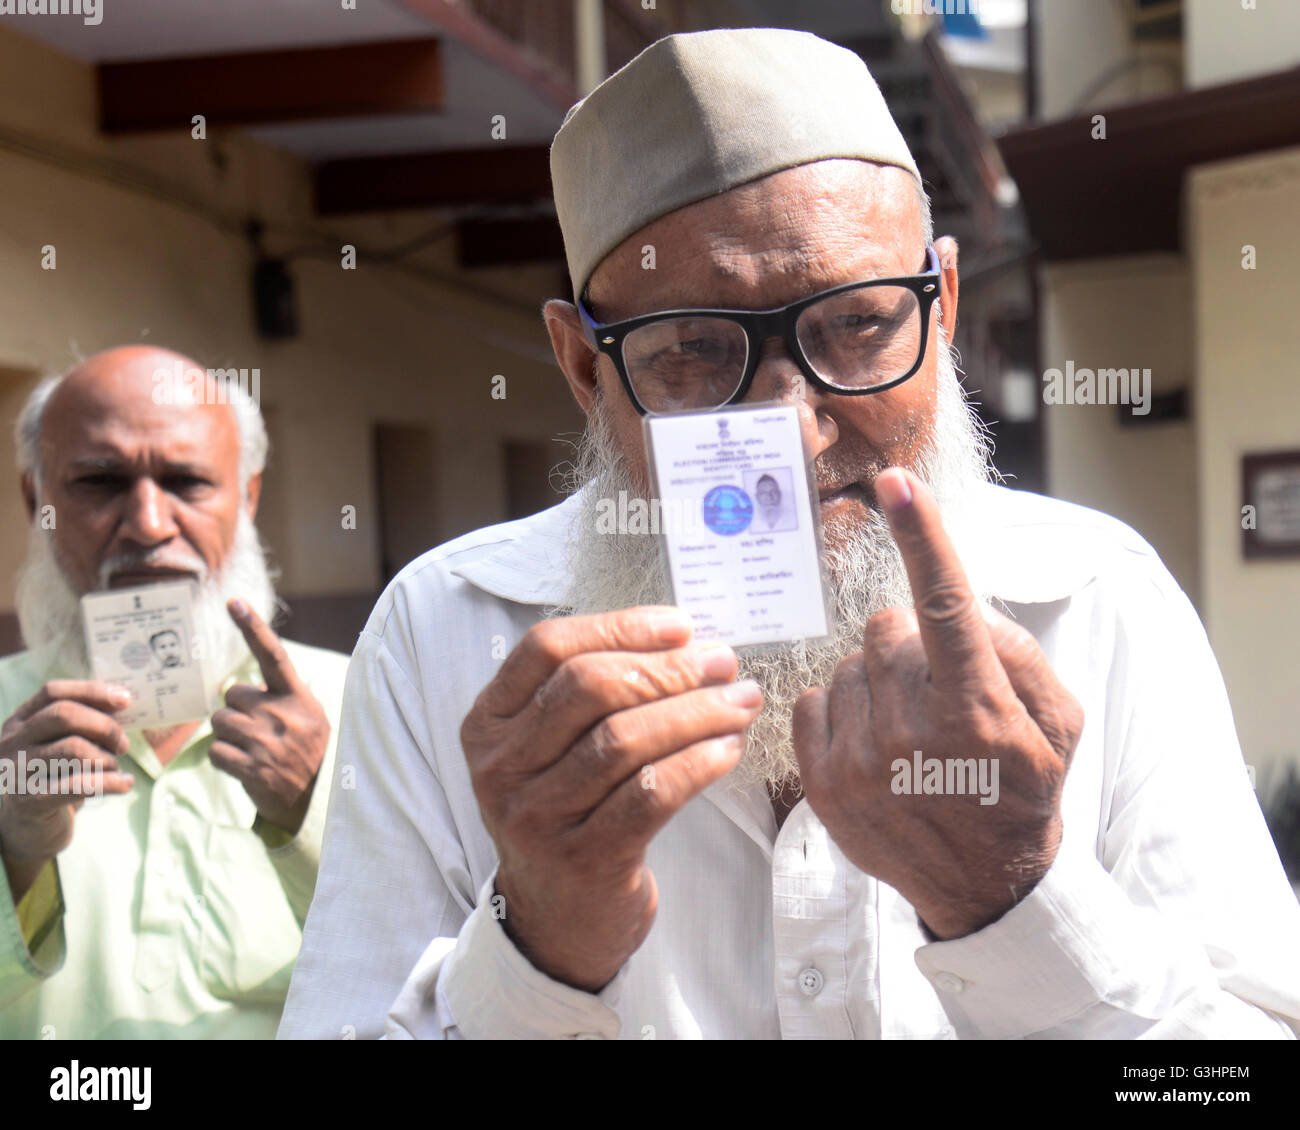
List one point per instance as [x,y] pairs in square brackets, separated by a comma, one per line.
[271,738]
[947,682]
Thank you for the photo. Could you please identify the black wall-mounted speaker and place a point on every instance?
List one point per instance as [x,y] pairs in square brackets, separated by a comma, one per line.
[274,305]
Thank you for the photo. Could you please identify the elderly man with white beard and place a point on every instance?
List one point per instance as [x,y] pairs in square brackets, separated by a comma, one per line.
[502,869]
[160,889]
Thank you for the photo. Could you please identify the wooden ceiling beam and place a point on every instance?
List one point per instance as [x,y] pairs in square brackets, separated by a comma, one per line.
[1086,197]
[493,174]
[508,242]
[262,87]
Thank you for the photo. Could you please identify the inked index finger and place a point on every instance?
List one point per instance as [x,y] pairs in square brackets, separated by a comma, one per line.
[277,669]
[952,628]
[548,644]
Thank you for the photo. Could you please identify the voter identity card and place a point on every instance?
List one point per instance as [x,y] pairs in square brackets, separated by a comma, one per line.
[739,526]
[143,639]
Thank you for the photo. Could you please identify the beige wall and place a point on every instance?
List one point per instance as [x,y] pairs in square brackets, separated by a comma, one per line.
[1125,313]
[375,343]
[1226,40]
[1248,400]
[15,384]
[1081,40]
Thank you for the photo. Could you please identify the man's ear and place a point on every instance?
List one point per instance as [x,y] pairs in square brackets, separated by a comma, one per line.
[946,248]
[253,495]
[574,353]
[28,488]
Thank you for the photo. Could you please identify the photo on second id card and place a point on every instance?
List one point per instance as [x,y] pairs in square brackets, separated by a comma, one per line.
[145,639]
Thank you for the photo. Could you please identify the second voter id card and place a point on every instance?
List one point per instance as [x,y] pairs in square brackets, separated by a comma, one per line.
[739,523]
[144,639]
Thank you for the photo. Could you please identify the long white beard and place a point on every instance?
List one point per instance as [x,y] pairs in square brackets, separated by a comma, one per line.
[49,610]
[864,568]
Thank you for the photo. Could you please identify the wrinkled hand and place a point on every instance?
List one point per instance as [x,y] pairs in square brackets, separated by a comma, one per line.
[271,739]
[948,682]
[69,725]
[592,736]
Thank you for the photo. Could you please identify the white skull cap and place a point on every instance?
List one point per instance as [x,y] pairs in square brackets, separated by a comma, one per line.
[698,114]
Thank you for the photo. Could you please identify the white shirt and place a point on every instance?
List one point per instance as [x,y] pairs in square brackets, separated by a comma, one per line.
[1165,914]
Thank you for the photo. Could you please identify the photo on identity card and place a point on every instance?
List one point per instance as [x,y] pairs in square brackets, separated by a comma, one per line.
[772,490]
[144,639]
[742,537]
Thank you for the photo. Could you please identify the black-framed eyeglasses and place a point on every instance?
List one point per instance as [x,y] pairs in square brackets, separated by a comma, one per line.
[851,340]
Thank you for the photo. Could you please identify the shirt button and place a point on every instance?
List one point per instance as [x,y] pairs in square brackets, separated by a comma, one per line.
[811,982]
[949,982]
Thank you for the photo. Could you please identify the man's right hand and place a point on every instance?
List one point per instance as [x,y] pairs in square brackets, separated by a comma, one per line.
[592,735]
[70,726]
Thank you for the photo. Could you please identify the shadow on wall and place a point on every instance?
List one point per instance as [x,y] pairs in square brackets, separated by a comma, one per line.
[326,621]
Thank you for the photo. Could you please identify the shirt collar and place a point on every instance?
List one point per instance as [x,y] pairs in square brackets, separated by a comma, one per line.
[1024,548]
[1019,547]
[527,561]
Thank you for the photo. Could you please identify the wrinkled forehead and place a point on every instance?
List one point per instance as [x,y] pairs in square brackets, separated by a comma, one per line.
[138,411]
[769,242]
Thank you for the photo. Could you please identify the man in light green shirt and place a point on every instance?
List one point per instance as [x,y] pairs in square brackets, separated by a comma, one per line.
[158,890]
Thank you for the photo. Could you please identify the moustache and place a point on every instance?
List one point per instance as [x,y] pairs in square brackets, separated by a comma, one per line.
[130,561]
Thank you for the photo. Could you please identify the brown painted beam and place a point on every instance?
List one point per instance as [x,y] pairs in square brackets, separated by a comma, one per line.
[1086,197]
[272,86]
[494,174]
[497,243]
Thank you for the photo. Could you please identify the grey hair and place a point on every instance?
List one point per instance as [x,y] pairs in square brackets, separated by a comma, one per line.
[927,220]
[253,442]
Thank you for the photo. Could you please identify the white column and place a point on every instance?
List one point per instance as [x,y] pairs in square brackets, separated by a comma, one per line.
[589,29]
